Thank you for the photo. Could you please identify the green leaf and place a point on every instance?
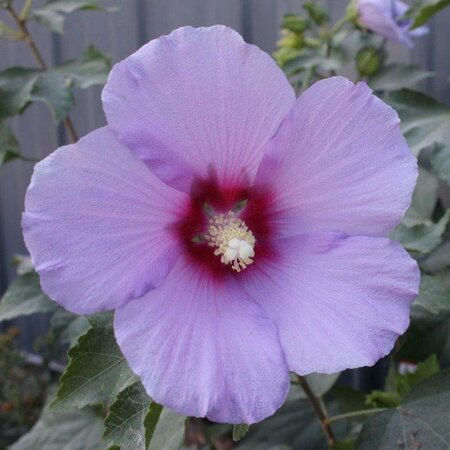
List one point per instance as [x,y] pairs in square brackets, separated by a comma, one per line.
[8,32]
[239,431]
[428,334]
[424,199]
[316,12]
[23,264]
[9,147]
[24,297]
[20,86]
[421,238]
[294,425]
[151,421]
[425,121]
[68,430]
[96,373]
[53,89]
[53,14]
[68,327]
[421,421]
[438,260]
[320,384]
[101,320]
[310,59]
[423,371]
[423,10]
[397,76]
[440,162]
[124,425]
[91,69]
[164,429]
[434,294]
[349,399]
[342,445]
[381,399]
[16,86]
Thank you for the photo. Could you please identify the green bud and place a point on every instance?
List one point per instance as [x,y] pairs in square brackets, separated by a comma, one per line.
[369,61]
[291,40]
[285,54]
[317,14]
[294,23]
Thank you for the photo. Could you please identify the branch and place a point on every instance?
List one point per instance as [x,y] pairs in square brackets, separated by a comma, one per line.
[318,410]
[21,23]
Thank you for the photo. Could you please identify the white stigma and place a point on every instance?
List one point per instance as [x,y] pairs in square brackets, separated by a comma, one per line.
[232,239]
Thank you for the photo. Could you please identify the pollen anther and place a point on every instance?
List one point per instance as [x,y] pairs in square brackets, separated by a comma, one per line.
[233,240]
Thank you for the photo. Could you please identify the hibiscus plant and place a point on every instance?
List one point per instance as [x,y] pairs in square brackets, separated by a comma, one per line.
[245,233]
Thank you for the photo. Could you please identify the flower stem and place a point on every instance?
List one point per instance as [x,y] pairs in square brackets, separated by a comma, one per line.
[354,414]
[25,10]
[21,24]
[315,404]
[339,25]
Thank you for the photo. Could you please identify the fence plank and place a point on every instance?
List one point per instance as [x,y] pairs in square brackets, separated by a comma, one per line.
[120,33]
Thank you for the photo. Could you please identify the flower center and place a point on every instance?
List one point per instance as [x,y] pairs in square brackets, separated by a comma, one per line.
[232,239]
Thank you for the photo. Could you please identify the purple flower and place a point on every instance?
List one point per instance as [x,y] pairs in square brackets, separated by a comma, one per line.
[385,17]
[237,232]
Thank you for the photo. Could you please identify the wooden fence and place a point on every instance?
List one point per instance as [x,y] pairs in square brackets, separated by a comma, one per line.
[121,32]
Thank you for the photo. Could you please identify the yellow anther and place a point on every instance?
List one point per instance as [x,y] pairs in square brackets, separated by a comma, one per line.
[233,241]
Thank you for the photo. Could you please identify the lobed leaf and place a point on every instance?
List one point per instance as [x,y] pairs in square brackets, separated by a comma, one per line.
[397,76]
[91,69]
[20,86]
[421,421]
[68,430]
[53,14]
[424,199]
[124,425]
[9,147]
[438,260]
[53,89]
[434,294]
[68,327]
[294,426]
[25,297]
[425,121]
[423,10]
[424,370]
[164,429]
[423,237]
[96,373]
[428,334]
[440,162]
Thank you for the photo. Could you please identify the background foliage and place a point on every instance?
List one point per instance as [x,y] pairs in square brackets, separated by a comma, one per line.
[98,403]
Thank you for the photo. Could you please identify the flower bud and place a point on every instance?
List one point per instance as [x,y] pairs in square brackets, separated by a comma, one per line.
[294,23]
[369,61]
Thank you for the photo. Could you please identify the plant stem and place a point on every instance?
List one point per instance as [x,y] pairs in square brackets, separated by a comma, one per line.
[339,25]
[25,10]
[21,23]
[352,415]
[315,404]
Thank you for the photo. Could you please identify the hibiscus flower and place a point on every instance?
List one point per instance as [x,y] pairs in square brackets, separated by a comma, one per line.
[237,232]
[386,18]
